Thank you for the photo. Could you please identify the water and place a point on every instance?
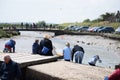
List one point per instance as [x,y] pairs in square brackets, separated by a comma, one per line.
[25,40]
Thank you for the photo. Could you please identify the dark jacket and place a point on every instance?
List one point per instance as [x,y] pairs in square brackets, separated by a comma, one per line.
[75,49]
[47,43]
[10,71]
[35,48]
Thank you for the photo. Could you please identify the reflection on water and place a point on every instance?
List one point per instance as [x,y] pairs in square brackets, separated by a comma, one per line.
[25,41]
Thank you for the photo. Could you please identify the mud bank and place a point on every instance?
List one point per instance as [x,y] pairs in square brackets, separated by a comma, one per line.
[93,41]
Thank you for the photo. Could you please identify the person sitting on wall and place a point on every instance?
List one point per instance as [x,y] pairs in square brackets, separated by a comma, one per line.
[9,46]
[94,59]
[35,47]
[46,46]
[9,70]
[67,52]
[115,75]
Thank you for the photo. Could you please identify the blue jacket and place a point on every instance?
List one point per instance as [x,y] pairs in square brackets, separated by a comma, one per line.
[11,43]
[35,48]
[67,53]
[10,71]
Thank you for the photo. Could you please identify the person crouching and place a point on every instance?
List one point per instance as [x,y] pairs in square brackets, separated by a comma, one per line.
[77,54]
[9,46]
[94,59]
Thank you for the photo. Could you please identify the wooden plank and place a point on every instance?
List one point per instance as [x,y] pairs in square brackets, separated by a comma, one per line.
[25,60]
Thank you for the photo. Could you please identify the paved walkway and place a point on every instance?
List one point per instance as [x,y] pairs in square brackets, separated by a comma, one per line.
[62,70]
[25,60]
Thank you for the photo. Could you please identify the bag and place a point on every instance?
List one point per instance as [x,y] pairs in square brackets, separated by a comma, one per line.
[45,50]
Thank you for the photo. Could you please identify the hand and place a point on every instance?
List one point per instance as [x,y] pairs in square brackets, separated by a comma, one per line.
[100,61]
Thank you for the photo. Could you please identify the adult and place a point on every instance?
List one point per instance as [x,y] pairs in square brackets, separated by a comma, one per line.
[35,47]
[67,52]
[46,46]
[115,75]
[9,69]
[77,54]
[94,59]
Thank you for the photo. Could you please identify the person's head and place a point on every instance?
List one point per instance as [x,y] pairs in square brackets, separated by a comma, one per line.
[67,44]
[97,56]
[46,36]
[13,41]
[76,45]
[36,41]
[117,66]
[7,59]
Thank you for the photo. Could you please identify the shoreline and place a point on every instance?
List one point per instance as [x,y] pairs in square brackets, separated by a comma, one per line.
[93,41]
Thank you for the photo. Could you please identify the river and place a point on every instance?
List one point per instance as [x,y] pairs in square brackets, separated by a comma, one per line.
[25,40]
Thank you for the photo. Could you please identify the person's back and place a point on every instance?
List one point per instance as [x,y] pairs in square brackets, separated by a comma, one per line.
[35,47]
[46,46]
[9,45]
[77,54]
[67,52]
[77,48]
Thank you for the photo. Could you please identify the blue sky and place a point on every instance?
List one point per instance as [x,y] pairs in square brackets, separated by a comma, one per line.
[55,11]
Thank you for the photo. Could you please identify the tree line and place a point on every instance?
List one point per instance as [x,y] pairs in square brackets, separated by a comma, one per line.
[40,24]
[110,17]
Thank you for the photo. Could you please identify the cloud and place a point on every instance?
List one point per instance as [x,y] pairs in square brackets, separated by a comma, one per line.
[55,10]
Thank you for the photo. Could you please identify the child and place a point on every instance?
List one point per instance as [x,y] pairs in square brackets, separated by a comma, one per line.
[10,46]
[67,52]
[94,59]
[35,47]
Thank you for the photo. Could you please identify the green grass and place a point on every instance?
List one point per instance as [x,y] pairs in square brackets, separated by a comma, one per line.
[2,33]
[8,34]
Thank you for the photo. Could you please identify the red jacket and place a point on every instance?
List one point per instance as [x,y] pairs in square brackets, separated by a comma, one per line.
[115,75]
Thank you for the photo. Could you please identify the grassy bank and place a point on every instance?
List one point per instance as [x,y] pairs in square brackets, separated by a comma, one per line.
[8,34]
[91,24]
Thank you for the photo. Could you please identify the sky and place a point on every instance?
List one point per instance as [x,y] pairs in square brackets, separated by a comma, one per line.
[55,11]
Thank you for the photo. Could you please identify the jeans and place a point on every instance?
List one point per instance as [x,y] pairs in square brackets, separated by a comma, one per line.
[78,57]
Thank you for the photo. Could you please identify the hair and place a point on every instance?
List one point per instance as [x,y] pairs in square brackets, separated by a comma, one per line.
[67,44]
[46,36]
[117,66]
[7,56]
[36,40]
